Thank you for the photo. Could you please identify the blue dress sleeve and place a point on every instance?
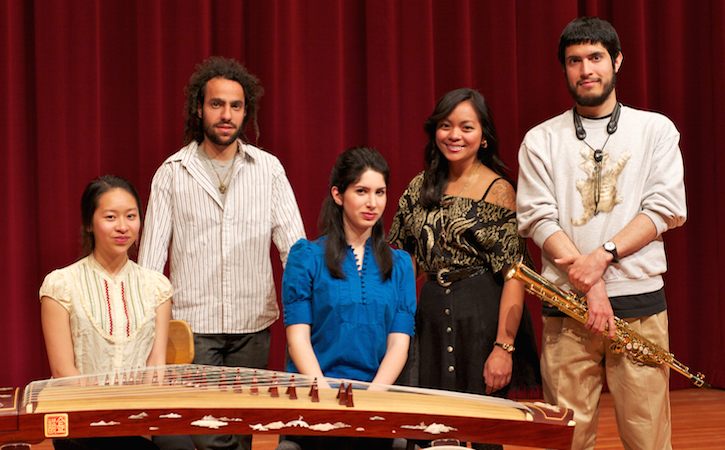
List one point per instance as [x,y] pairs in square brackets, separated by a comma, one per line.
[297,284]
[404,278]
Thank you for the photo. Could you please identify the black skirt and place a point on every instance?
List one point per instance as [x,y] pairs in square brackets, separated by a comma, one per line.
[456,327]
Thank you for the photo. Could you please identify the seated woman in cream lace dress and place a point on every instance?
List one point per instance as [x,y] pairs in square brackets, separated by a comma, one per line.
[105,313]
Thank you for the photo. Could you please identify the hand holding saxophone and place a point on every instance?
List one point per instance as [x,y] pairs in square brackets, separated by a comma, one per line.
[585,274]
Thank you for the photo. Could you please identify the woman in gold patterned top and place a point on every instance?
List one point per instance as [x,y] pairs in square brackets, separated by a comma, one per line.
[458,219]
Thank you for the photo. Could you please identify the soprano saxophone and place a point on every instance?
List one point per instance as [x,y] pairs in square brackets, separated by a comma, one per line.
[637,347]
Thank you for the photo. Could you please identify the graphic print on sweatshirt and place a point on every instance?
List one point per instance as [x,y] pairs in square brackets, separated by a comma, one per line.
[608,197]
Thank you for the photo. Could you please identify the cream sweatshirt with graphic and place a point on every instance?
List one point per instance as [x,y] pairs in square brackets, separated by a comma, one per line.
[642,172]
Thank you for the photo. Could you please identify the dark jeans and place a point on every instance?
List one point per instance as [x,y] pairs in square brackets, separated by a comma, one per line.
[232,350]
[105,443]
[174,442]
[334,443]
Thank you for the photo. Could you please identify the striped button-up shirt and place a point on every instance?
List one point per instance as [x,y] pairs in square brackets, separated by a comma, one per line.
[220,267]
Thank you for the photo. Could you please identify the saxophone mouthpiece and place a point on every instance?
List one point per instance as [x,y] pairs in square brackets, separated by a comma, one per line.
[511,272]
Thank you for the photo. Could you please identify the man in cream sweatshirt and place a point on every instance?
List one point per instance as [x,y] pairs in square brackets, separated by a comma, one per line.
[598,186]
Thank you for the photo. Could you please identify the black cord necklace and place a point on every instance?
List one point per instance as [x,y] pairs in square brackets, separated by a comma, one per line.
[581,134]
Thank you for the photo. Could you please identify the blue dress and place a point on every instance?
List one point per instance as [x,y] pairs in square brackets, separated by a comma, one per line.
[350,318]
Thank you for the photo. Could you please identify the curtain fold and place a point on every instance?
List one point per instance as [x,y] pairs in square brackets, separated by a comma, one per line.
[95,87]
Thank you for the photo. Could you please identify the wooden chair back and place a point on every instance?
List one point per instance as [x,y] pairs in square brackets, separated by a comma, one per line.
[180,348]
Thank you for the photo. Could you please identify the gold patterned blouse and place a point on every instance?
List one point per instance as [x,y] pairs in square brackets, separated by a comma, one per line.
[460,232]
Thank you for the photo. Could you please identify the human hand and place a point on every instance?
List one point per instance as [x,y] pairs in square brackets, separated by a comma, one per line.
[322,383]
[497,369]
[600,310]
[378,387]
[585,270]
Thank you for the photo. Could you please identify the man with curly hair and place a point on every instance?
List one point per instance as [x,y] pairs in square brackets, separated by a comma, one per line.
[218,204]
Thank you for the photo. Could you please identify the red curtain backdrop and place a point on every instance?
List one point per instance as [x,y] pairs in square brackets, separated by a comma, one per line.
[94,87]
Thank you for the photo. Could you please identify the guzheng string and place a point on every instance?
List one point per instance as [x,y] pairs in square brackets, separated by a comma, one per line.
[180,378]
[170,378]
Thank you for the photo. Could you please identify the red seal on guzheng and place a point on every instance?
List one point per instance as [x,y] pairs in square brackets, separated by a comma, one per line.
[56,425]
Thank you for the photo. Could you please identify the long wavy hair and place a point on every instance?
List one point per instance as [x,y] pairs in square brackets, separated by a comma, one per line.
[89,204]
[230,69]
[350,166]
[436,165]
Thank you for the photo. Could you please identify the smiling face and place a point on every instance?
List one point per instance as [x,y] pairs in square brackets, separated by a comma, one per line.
[363,203]
[460,135]
[591,75]
[116,223]
[223,111]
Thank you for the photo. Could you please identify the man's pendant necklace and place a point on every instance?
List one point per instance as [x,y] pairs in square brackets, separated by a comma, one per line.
[581,134]
[222,186]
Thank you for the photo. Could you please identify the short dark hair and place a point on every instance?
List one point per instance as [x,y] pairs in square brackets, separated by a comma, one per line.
[89,204]
[436,173]
[219,67]
[589,30]
[348,169]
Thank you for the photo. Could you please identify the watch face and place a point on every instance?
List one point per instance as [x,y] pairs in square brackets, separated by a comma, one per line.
[609,246]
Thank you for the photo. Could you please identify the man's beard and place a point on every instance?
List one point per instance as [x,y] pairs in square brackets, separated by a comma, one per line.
[592,100]
[210,134]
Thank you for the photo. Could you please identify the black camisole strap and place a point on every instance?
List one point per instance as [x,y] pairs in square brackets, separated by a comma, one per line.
[490,186]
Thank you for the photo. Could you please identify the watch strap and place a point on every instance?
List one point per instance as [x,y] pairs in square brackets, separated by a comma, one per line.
[612,251]
[508,347]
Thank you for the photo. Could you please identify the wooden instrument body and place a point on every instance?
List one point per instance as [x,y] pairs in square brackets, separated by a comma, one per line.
[148,409]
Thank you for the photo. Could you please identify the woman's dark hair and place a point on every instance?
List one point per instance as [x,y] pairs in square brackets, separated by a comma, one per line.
[219,67]
[89,204]
[589,30]
[436,165]
[350,166]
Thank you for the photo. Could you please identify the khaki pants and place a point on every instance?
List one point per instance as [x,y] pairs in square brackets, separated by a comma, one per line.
[574,363]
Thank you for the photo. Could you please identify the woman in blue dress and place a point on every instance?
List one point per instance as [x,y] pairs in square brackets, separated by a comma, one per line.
[349,299]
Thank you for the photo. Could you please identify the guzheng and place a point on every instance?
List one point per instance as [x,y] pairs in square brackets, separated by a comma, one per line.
[193,399]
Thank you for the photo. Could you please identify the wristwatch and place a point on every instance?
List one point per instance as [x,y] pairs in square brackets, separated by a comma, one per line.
[611,248]
[508,347]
